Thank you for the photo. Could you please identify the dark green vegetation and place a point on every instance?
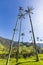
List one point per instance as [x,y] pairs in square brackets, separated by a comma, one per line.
[26,53]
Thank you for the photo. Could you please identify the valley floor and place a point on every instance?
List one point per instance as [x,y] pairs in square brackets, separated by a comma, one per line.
[22,61]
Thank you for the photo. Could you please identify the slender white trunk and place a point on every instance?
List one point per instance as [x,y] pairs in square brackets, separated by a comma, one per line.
[7,62]
[17,57]
[34,39]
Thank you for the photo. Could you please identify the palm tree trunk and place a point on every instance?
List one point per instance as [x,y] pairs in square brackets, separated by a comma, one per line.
[11,45]
[34,39]
[17,54]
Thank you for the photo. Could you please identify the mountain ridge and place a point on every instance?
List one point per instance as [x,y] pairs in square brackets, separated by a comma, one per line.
[7,43]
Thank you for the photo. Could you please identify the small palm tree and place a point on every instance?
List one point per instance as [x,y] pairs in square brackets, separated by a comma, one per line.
[37,38]
[22,34]
[29,12]
[30,31]
[40,39]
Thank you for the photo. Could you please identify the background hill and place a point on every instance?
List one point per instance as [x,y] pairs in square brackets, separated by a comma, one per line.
[7,42]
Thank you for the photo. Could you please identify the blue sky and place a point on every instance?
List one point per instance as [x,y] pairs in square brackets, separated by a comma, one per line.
[8,16]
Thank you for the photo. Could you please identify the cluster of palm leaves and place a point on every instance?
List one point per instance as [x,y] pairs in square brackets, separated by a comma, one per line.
[20,17]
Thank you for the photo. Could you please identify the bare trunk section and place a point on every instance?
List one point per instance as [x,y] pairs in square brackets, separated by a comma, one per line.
[17,53]
[7,62]
[37,59]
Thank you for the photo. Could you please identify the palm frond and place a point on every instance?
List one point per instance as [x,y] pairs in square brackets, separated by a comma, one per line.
[29,10]
[20,8]
[21,15]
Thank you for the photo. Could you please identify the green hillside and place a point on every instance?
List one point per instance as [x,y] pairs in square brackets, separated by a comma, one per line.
[3,49]
[30,60]
[1,46]
[24,50]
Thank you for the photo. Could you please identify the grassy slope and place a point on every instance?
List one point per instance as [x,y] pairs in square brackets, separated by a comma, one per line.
[22,61]
[3,49]
[28,61]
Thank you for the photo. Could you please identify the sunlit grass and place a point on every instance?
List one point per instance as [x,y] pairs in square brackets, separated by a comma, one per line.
[22,61]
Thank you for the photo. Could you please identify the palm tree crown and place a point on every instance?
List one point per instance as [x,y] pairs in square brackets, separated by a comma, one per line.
[21,15]
[22,34]
[20,8]
[29,10]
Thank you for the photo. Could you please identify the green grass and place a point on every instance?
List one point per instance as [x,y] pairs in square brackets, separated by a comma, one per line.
[3,49]
[22,61]
[27,61]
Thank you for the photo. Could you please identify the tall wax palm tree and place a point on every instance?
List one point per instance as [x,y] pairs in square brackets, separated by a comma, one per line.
[21,15]
[29,12]
[7,62]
